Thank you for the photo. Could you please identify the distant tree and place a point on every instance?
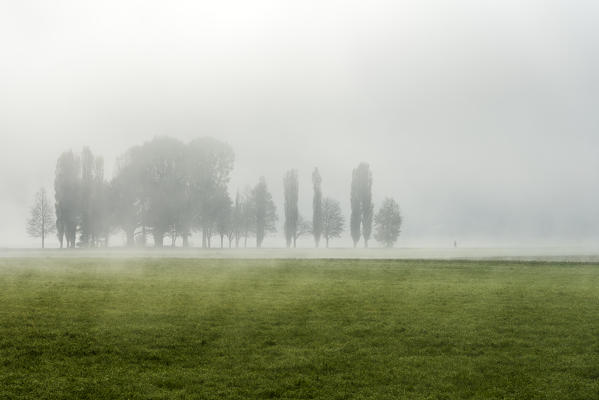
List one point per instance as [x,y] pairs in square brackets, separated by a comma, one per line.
[101,207]
[317,206]
[361,204]
[303,227]
[388,223]
[163,183]
[41,221]
[332,219]
[247,221]
[127,199]
[169,188]
[66,187]
[265,211]
[291,192]
[85,197]
[356,210]
[209,163]
[223,216]
[367,216]
[93,219]
[236,227]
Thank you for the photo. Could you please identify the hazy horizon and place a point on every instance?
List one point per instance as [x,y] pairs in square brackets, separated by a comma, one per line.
[478,117]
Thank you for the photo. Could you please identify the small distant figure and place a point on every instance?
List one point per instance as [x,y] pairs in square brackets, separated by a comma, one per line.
[455,244]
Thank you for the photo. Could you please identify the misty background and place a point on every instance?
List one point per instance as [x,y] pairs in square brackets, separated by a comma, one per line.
[479,117]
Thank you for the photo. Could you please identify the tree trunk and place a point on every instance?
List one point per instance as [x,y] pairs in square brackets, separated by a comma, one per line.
[327,239]
[130,237]
[186,240]
[158,239]
[143,236]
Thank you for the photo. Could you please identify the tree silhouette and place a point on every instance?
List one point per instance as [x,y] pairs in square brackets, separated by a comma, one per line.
[41,221]
[317,207]
[388,223]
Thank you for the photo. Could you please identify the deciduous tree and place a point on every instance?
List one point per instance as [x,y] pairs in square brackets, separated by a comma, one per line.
[332,219]
[41,221]
[388,223]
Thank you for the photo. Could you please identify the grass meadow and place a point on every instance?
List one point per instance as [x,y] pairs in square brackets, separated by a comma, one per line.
[297,329]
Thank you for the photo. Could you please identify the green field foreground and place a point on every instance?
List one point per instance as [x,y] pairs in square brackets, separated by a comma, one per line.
[297,329]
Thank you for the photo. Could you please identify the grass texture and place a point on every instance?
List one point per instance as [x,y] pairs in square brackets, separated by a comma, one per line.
[297,329]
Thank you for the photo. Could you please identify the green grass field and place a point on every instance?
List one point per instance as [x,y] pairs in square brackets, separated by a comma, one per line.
[336,329]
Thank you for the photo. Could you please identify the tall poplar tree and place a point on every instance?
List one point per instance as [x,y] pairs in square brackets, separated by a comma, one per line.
[291,194]
[361,204]
[317,206]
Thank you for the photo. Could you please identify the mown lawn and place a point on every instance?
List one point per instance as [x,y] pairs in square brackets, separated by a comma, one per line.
[327,329]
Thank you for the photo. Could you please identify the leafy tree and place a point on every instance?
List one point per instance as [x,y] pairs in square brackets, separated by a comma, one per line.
[127,200]
[66,187]
[209,163]
[291,192]
[332,219]
[367,215]
[93,218]
[85,197]
[172,188]
[236,228]
[101,207]
[361,204]
[247,222]
[317,206]
[41,221]
[265,211]
[163,182]
[223,216]
[356,210]
[388,223]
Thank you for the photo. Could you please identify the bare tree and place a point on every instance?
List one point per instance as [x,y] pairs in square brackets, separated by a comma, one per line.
[42,221]
[332,219]
[303,227]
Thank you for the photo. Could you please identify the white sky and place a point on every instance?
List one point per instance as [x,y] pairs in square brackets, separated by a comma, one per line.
[479,117]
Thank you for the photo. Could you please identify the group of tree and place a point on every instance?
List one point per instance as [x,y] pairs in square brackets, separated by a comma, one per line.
[81,200]
[167,189]
[161,189]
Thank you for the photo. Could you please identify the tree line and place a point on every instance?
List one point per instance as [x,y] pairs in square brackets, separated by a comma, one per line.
[166,190]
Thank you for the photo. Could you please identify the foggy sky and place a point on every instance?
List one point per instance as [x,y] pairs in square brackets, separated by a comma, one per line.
[479,117]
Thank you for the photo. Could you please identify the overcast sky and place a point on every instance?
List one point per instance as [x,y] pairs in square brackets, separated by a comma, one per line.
[479,117]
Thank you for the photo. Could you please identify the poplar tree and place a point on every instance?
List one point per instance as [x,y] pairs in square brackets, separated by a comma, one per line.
[317,206]
[291,194]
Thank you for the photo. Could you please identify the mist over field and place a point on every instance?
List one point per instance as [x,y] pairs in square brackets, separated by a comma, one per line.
[478,117]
